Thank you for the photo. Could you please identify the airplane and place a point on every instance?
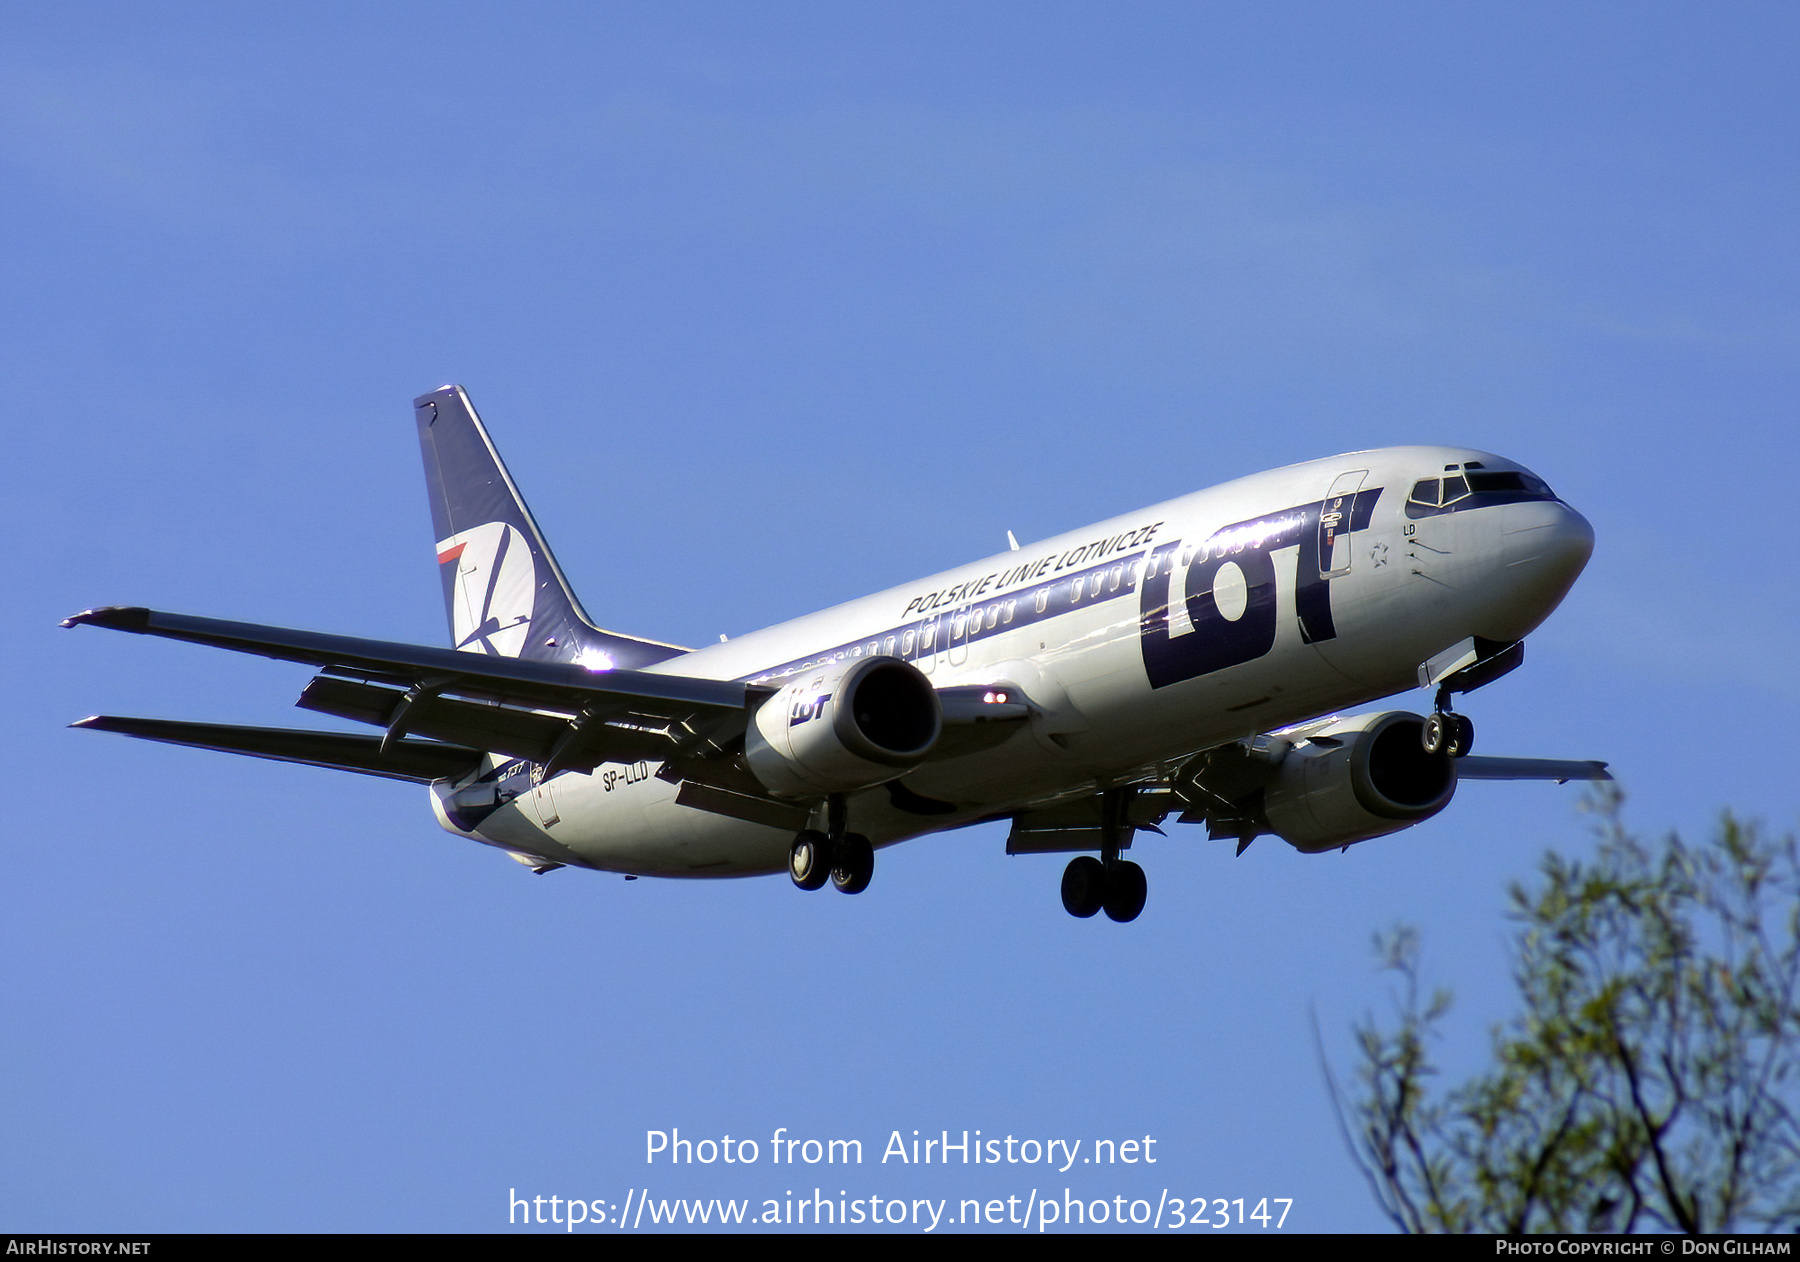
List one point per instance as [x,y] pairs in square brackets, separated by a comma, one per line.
[1195,658]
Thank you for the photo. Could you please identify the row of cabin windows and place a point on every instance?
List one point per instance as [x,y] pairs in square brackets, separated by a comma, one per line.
[998,614]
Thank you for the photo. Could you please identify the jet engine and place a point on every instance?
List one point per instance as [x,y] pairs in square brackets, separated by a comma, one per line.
[845,727]
[1355,778]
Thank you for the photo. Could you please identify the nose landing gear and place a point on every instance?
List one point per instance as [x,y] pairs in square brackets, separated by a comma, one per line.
[846,859]
[1445,732]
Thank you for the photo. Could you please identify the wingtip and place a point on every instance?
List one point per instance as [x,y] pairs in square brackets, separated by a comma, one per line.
[113,617]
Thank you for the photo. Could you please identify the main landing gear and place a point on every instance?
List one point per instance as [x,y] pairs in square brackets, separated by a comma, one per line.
[1109,883]
[1118,888]
[846,859]
[1446,733]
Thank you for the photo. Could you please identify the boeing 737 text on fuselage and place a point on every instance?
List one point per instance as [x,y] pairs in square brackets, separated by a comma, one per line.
[1195,659]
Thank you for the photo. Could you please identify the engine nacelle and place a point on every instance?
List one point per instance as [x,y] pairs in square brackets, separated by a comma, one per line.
[843,728]
[1356,778]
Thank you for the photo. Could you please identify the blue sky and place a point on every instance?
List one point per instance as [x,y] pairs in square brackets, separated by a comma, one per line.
[770,306]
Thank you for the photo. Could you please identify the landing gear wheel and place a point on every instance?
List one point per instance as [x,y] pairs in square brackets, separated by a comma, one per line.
[1125,891]
[809,859]
[1465,735]
[1452,735]
[1455,729]
[1084,886]
[852,863]
[1436,735]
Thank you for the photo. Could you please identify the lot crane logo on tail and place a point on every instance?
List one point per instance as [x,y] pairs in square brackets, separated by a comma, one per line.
[496,585]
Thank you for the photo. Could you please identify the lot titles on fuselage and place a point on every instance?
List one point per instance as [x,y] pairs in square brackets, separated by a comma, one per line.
[1178,595]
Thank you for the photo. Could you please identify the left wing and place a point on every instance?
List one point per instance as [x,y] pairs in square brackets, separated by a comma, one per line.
[555,713]
[559,715]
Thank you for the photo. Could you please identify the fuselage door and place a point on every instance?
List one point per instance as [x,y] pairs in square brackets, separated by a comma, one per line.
[543,797]
[957,645]
[1334,523]
[928,646]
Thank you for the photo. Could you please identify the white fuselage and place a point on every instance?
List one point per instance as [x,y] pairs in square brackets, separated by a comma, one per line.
[1138,641]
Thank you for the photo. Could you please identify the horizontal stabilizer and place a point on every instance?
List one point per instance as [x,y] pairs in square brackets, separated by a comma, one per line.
[1475,767]
[419,761]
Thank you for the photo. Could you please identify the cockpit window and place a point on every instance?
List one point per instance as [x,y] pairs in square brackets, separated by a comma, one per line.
[1470,485]
[1508,482]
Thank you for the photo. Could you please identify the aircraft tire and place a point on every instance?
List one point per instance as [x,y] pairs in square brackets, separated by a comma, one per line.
[1083,886]
[1465,735]
[809,859]
[1125,891]
[853,863]
[1436,735]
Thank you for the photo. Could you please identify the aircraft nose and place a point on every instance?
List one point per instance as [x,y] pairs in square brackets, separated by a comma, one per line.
[1546,546]
[1547,531]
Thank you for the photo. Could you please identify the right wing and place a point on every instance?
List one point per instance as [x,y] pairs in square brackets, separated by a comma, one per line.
[1476,767]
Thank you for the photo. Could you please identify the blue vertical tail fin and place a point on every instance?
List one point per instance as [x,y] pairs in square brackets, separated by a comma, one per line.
[503,591]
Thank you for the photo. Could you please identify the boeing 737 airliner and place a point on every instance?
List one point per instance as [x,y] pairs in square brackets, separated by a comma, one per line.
[1193,659]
